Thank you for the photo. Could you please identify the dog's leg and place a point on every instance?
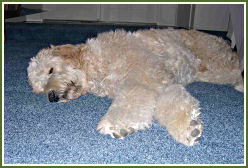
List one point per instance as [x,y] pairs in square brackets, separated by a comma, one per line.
[132,109]
[179,112]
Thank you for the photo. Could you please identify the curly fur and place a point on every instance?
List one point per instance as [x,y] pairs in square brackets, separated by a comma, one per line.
[144,72]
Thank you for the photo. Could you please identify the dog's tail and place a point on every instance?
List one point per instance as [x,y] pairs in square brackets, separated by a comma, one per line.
[234,77]
[240,86]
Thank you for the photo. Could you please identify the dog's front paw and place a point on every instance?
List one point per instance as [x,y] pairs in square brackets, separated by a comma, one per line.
[193,132]
[115,131]
[186,129]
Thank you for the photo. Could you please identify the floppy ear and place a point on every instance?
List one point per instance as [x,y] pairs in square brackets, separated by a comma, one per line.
[72,54]
[52,46]
[67,51]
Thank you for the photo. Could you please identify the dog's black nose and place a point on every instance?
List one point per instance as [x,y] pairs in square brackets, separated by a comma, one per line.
[52,96]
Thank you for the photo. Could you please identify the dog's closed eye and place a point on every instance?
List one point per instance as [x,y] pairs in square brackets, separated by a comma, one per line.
[50,71]
[71,83]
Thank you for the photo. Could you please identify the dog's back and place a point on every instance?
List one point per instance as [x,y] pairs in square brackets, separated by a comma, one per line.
[209,56]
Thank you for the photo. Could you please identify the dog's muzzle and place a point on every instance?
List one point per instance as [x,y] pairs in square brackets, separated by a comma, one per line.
[52,96]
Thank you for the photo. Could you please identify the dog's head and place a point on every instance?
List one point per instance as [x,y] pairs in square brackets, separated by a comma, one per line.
[58,72]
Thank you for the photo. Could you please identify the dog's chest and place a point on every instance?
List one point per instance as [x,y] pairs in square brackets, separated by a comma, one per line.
[106,76]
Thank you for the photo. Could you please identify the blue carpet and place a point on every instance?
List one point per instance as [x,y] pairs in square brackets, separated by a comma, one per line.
[36,131]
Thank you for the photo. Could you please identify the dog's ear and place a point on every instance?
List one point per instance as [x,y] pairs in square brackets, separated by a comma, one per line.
[72,54]
[67,51]
[52,46]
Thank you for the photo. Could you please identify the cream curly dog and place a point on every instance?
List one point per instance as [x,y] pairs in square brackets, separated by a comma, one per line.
[144,72]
